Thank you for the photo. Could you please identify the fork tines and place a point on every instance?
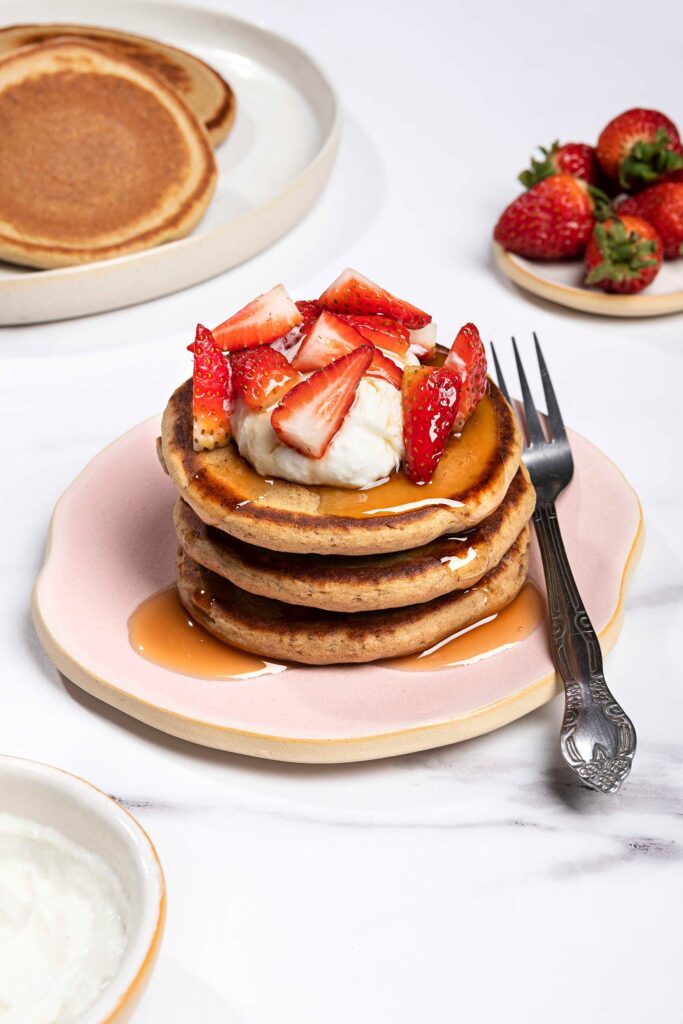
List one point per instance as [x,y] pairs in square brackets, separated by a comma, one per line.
[536,434]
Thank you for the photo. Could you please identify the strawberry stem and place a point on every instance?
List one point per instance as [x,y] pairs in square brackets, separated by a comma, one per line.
[602,204]
[624,253]
[540,169]
[648,161]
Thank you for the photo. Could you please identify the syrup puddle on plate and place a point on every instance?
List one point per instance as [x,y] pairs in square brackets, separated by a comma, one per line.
[161,631]
[482,639]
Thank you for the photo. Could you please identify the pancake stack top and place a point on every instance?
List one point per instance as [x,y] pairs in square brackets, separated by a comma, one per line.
[320,573]
[104,146]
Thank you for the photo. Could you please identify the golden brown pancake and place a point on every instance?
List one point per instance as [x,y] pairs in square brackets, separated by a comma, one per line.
[224,491]
[347,584]
[205,92]
[289,632]
[99,157]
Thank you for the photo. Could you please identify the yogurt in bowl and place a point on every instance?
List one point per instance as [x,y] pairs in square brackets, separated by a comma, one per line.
[82,900]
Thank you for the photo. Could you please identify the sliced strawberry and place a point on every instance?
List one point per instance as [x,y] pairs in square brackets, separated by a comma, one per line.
[261,376]
[381,331]
[311,413]
[423,341]
[268,317]
[310,309]
[325,339]
[210,393]
[430,405]
[468,357]
[385,368]
[330,337]
[353,293]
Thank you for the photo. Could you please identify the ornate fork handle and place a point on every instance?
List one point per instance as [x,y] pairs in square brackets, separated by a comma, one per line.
[598,739]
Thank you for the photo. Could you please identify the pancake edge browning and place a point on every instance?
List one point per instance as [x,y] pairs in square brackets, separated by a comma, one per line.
[302,530]
[217,118]
[285,632]
[368,583]
[174,222]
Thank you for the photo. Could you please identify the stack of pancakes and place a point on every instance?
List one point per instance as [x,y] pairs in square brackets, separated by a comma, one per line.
[266,566]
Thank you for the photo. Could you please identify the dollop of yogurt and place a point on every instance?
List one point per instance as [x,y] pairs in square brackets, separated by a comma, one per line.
[63,924]
[367,448]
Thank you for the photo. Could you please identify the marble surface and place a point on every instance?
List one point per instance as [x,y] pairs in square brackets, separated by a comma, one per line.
[473,882]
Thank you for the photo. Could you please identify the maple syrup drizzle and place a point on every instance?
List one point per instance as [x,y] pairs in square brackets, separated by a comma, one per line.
[485,638]
[162,631]
[460,469]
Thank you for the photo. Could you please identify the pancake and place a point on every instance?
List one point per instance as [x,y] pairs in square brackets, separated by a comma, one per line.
[99,157]
[209,97]
[347,584]
[289,632]
[225,492]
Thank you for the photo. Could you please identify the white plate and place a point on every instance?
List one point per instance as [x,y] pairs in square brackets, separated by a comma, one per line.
[561,282]
[272,166]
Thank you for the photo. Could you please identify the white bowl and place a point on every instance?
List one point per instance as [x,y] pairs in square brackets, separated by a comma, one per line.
[87,816]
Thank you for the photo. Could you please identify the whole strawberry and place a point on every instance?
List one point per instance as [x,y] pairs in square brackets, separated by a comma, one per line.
[623,256]
[575,158]
[639,147]
[662,206]
[552,221]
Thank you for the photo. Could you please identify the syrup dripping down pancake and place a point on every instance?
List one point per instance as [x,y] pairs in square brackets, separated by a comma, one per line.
[225,492]
[369,582]
[286,632]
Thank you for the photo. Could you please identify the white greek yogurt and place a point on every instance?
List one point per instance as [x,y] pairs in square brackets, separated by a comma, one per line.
[367,447]
[63,924]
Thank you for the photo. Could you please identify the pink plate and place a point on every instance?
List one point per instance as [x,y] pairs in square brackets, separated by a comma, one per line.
[112,545]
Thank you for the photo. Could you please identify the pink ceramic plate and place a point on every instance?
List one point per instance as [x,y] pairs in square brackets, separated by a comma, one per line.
[112,545]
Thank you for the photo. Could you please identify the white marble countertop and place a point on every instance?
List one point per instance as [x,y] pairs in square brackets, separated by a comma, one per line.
[474,882]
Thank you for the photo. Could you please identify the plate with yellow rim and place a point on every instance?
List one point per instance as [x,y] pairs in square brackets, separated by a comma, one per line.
[112,545]
[560,281]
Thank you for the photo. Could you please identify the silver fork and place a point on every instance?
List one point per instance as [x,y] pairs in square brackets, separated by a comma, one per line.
[597,739]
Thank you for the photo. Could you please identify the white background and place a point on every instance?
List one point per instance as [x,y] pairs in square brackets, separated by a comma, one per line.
[475,882]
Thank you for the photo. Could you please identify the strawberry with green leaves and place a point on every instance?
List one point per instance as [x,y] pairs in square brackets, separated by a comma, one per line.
[639,147]
[430,405]
[211,393]
[623,256]
[575,158]
[552,221]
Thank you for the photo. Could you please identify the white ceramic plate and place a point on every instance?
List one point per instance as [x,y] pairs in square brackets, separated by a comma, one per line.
[561,282]
[88,817]
[272,166]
